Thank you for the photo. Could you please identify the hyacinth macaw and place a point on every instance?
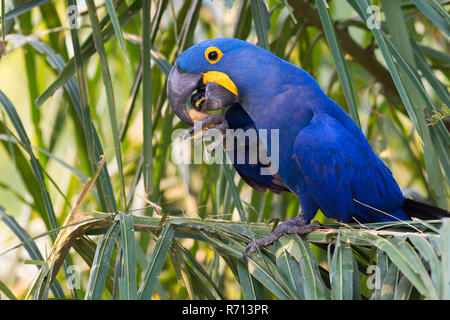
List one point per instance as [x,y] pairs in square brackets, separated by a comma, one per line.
[324,158]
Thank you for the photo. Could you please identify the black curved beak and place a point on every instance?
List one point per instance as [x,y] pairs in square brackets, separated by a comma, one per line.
[180,86]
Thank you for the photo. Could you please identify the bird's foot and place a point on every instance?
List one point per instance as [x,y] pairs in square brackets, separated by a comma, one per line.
[292,225]
[215,124]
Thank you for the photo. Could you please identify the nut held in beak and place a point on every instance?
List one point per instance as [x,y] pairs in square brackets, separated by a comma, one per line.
[197,115]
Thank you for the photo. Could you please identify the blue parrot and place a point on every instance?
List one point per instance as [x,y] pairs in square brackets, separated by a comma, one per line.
[323,157]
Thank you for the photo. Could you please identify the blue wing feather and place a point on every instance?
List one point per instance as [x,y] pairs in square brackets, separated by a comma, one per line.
[346,179]
[237,118]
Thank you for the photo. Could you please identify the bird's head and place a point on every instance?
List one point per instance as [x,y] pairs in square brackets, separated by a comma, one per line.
[216,73]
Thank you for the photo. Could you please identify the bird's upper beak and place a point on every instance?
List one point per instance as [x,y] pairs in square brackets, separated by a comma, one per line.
[212,90]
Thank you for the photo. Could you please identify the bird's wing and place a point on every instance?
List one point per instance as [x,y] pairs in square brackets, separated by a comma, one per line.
[258,182]
[251,173]
[344,176]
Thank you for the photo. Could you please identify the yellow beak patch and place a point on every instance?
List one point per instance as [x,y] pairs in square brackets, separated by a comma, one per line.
[222,79]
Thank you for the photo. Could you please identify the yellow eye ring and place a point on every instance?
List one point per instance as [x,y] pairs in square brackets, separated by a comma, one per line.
[213,55]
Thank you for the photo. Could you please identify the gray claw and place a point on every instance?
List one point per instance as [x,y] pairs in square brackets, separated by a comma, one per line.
[250,248]
[290,226]
[221,126]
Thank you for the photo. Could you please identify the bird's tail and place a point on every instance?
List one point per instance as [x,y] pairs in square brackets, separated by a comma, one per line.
[423,211]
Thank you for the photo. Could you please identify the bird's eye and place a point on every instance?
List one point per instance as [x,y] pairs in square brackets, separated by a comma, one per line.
[213,54]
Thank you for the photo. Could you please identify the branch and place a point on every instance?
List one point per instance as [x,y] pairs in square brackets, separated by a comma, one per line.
[216,229]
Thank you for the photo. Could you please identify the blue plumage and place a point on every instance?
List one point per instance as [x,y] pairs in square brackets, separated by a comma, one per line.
[251,172]
[339,169]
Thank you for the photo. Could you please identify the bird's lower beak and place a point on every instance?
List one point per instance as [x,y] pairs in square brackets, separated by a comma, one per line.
[209,91]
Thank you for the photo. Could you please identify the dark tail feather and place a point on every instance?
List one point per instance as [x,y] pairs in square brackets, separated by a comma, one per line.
[423,211]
